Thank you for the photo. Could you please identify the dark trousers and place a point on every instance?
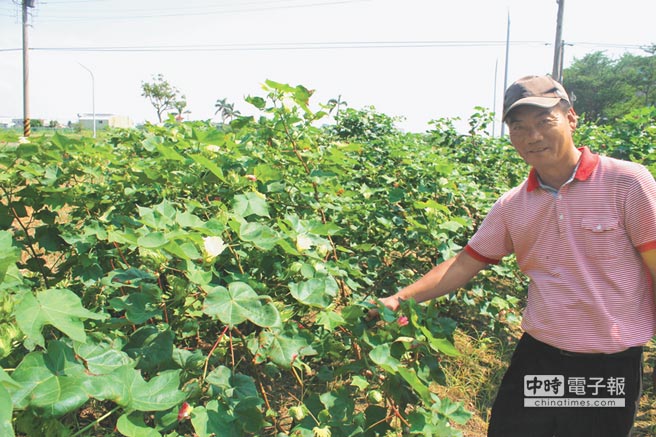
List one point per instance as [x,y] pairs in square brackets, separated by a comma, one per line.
[570,375]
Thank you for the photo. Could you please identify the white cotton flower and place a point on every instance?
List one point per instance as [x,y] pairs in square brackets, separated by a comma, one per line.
[321,432]
[214,246]
[213,148]
[303,242]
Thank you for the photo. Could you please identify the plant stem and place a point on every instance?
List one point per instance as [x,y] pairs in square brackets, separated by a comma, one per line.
[209,355]
[30,243]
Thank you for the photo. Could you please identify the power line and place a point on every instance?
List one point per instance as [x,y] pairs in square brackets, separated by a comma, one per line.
[151,15]
[326,45]
[282,46]
[203,7]
[65,2]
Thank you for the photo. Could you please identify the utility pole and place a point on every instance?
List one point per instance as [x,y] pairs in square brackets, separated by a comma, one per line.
[26,95]
[557,72]
[505,76]
[494,97]
[93,98]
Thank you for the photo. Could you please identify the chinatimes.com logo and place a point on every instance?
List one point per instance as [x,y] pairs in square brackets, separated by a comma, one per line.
[558,391]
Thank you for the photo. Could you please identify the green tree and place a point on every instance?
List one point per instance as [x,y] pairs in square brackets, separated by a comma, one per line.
[226,109]
[180,107]
[606,89]
[641,73]
[336,104]
[162,95]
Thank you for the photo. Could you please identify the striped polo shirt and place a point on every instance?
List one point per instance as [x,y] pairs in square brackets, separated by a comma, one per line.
[589,289]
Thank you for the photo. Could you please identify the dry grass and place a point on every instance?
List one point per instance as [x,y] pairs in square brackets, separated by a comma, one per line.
[474,378]
[645,424]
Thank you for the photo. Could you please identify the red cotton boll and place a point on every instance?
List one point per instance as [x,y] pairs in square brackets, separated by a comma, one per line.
[184,412]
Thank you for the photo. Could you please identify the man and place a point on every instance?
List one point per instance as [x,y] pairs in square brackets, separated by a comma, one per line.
[583,229]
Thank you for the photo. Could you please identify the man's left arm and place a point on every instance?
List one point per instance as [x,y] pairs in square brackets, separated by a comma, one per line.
[649,257]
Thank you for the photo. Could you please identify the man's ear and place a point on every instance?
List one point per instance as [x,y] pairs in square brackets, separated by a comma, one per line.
[572,118]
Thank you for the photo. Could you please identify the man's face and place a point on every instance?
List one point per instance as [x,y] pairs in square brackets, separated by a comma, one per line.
[542,137]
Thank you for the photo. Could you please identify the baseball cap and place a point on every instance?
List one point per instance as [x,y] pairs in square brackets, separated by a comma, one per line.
[542,91]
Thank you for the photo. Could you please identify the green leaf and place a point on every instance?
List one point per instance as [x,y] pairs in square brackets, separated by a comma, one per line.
[26,150]
[249,204]
[239,302]
[126,387]
[49,238]
[258,102]
[360,382]
[64,142]
[102,357]
[181,252]
[138,307]
[208,165]
[249,413]
[6,217]
[452,410]
[153,240]
[188,220]
[499,303]
[339,404]
[451,225]
[190,250]
[260,235]
[441,345]
[52,383]
[382,356]
[330,320]
[316,292]
[197,275]
[207,135]
[133,425]
[9,254]
[417,385]
[152,347]
[132,276]
[396,195]
[354,313]
[267,173]
[235,385]
[376,421]
[168,151]
[6,381]
[432,205]
[60,308]
[214,420]
[325,229]
[6,413]
[284,349]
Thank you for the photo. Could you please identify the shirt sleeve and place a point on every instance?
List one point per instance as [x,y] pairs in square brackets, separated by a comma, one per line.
[492,241]
[640,211]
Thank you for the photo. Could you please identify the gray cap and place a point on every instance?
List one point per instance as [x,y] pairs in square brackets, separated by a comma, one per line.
[542,91]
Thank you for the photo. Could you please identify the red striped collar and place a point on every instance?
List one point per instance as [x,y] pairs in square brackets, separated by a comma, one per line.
[587,163]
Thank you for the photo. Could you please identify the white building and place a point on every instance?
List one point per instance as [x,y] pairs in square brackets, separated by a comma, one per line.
[6,122]
[104,121]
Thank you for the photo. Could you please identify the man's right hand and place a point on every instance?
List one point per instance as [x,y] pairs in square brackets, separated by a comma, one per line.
[391,302]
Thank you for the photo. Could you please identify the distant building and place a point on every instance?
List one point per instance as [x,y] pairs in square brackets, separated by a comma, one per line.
[104,121]
[18,122]
[6,122]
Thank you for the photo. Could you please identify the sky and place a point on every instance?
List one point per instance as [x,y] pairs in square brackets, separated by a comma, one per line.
[420,60]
